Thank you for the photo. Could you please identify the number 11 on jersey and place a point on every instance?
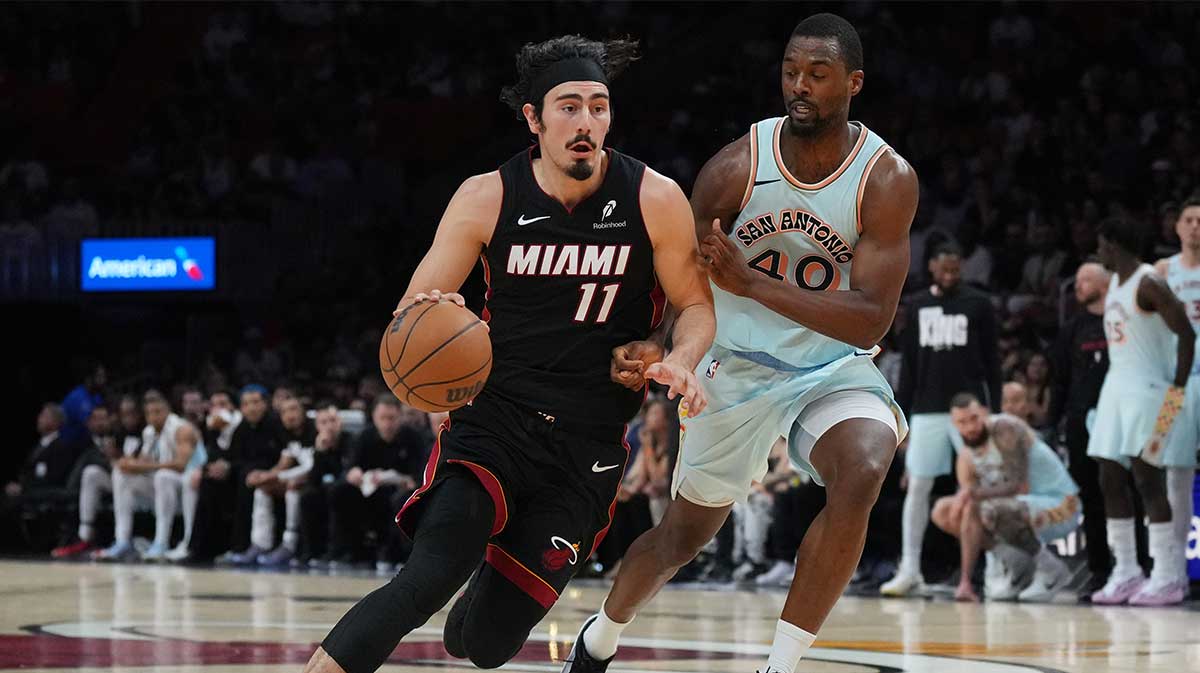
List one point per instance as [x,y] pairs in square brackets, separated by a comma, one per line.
[587,292]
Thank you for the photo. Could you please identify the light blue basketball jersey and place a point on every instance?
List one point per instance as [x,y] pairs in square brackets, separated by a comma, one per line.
[1048,476]
[797,233]
[1185,283]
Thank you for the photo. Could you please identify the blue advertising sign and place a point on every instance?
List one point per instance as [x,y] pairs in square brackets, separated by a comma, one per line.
[148,264]
[1193,543]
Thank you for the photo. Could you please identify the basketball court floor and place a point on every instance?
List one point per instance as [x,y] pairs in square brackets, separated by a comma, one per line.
[85,617]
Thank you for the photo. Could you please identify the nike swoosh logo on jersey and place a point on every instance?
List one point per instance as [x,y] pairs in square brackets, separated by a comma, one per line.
[759,183]
[597,468]
[521,221]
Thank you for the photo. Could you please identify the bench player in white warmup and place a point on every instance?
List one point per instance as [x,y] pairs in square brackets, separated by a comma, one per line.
[1150,351]
[804,225]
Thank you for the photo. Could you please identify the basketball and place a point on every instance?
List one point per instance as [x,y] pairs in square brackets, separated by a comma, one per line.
[435,356]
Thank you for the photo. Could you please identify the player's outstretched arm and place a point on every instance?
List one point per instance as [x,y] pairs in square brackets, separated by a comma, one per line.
[466,226]
[862,315]
[669,224]
[717,195]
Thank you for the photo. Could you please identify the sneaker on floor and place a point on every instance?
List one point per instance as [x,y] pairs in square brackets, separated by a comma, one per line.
[1158,594]
[905,583]
[248,557]
[780,574]
[579,661]
[155,553]
[1118,590]
[179,553]
[1051,577]
[1091,585]
[71,550]
[119,552]
[281,556]
[749,570]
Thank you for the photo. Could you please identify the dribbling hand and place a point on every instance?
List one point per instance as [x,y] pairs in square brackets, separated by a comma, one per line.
[436,296]
[680,382]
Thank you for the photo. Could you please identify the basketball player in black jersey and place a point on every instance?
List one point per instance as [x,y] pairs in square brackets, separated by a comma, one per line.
[580,245]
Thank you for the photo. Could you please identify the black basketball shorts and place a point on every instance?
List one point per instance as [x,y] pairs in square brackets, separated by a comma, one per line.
[554,485]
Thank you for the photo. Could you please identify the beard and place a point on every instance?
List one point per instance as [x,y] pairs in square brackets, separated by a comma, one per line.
[978,440]
[580,170]
[815,125]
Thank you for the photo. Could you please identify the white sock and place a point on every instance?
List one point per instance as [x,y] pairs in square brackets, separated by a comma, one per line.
[916,519]
[789,646]
[1123,546]
[1180,481]
[600,638]
[1162,549]
[85,532]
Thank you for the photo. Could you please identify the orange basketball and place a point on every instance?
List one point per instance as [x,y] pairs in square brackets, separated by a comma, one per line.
[435,357]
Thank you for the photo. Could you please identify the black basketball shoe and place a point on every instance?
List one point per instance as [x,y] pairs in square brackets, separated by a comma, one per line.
[579,661]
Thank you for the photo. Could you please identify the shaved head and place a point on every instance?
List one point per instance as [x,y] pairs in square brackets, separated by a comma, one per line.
[1091,283]
[1014,400]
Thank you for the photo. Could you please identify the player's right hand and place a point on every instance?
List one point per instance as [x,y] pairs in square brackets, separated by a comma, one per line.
[436,296]
[629,362]
[680,382]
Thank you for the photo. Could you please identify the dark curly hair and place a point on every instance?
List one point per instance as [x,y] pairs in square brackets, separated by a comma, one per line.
[614,56]
[1125,233]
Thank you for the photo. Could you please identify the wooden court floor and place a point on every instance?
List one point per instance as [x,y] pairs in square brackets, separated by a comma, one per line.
[86,617]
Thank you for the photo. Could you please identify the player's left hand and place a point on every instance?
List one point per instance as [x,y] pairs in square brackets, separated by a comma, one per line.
[724,264]
[680,382]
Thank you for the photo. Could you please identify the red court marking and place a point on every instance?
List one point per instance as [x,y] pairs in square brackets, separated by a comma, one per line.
[48,651]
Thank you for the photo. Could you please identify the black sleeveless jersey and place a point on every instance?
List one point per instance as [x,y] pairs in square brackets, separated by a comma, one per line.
[565,287]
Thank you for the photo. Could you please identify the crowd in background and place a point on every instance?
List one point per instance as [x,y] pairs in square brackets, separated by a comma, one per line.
[357,120]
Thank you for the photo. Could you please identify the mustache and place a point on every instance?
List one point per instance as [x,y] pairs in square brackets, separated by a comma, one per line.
[587,140]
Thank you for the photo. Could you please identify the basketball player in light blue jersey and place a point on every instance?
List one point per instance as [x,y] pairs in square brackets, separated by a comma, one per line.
[804,232]
[1182,273]
[1150,352]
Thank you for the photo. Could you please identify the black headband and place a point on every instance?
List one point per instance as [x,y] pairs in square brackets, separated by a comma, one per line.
[570,70]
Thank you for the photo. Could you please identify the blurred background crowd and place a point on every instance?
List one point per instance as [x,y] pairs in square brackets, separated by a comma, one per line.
[319,142]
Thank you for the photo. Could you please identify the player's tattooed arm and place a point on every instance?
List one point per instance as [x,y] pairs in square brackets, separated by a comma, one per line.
[669,224]
[1014,440]
[466,227]
[862,315]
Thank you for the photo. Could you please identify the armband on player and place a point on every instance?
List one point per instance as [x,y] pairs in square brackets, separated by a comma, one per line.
[1171,406]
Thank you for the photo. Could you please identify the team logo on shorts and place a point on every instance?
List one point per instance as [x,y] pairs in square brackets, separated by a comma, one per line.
[712,368]
[560,554]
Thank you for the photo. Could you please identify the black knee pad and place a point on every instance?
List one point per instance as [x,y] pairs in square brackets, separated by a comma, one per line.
[450,543]
[498,620]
